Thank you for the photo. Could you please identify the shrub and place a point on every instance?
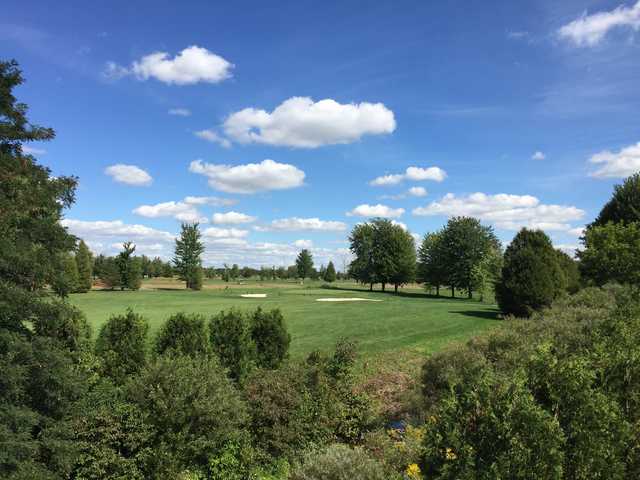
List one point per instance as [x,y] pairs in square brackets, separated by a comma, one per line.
[531,276]
[194,409]
[183,334]
[121,344]
[230,334]
[271,338]
[63,322]
[492,428]
[339,462]
[575,365]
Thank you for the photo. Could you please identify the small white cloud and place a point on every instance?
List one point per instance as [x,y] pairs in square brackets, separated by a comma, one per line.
[179,210]
[300,122]
[215,232]
[213,137]
[232,218]
[417,191]
[387,180]
[569,249]
[378,210]
[617,165]
[211,201]
[295,224]
[33,151]
[415,174]
[538,156]
[99,229]
[129,175]
[508,212]
[251,178]
[400,224]
[303,244]
[590,30]
[180,112]
[192,65]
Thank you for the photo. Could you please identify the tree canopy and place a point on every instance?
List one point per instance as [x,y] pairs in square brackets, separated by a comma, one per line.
[189,249]
[304,264]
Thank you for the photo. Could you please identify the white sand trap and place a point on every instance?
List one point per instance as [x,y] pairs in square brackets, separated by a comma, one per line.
[346,299]
[253,295]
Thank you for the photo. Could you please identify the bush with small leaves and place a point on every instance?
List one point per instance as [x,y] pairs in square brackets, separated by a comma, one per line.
[340,462]
[122,345]
[271,338]
[183,334]
[230,334]
[194,409]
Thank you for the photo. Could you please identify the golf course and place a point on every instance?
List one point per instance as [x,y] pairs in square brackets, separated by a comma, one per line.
[380,322]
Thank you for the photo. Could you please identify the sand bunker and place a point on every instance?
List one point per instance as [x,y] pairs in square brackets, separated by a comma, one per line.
[346,299]
[253,295]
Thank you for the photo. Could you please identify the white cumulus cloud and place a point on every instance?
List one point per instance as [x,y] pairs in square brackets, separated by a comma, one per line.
[589,30]
[294,224]
[213,137]
[508,212]
[617,164]
[215,232]
[415,174]
[378,210]
[212,201]
[250,178]
[303,243]
[301,122]
[185,212]
[192,65]
[90,230]
[129,175]
[417,191]
[538,156]
[232,218]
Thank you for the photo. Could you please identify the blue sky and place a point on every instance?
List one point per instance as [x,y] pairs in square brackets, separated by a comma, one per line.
[304,118]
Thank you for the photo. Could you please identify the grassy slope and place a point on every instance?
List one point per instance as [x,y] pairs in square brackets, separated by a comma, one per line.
[410,321]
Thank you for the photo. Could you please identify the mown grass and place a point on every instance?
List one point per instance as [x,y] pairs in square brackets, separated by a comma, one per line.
[411,321]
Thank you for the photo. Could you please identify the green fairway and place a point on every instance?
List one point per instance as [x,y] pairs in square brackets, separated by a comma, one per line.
[410,320]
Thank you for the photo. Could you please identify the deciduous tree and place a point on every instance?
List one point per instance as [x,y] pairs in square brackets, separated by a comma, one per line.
[187,261]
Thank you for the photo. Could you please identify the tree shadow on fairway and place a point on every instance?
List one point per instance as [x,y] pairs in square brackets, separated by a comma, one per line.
[486,314]
[405,294]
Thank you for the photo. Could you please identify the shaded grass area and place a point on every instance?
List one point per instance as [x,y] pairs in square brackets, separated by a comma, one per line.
[411,321]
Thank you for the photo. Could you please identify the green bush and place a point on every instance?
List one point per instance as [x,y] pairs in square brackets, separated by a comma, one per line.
[183,334]
[531,276]
[339,462]
[271,338]
[194,409]
[122,344]
[63,322]
[565,384]
[230,334]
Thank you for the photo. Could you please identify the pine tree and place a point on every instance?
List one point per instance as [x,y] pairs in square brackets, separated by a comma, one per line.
[330,273]
[129,267]
[531,277]
[187,260]
[85,267]
[304,264]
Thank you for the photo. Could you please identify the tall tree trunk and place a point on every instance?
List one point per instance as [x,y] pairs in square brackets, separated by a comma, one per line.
[371,287]
[453,291]
[437,290]
[396,288]
[383,286]
[470,293]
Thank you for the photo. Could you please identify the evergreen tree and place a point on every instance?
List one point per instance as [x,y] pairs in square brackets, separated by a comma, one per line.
[531,277]
[109,272]
[187,260]
[129,267]
[85,267]
[330,273]
[304,264]
[67,280]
